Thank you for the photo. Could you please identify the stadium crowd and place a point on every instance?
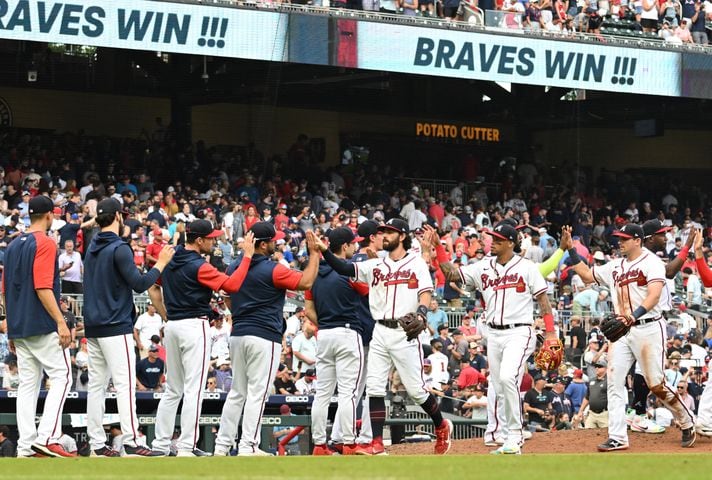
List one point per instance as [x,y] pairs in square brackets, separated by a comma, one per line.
[164,187]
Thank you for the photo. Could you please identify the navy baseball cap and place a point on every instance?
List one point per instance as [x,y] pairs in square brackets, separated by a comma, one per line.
[367,228]
[655,226]
[341,235]
[504,231]
[395,224]
[266,231]
[202,228]
[40,204]
[630,230]
[110,206]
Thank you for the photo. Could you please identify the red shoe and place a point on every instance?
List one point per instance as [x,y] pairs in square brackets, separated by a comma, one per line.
[442,438]
[338,448]
[363,449]
[321,450]
[52,450]
[349,449]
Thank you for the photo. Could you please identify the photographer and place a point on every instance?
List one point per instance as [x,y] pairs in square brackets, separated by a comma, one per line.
[537,403]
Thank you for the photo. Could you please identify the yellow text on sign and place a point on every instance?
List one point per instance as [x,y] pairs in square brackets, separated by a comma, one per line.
[464,132]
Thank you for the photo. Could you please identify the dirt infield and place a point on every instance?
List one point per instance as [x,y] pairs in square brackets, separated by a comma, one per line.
[571,441]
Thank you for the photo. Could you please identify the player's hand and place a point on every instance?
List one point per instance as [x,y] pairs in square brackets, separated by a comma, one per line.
[627,319]
[694,233]
[431,235]
[139,345]
[11,346]
[371,252]
[248,247]
[65,338]
[566,240]
[166,254]
[314,243]
[699,237]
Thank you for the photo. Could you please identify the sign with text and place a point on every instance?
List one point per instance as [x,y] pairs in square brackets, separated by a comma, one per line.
[448,131]
[508,58]
[143,25]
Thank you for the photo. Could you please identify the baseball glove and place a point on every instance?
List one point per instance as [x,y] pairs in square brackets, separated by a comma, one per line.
[614,327]
[412,324]
[550,355]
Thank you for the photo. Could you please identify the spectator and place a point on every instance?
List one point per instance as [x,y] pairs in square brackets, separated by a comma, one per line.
[560,401]
[458,350]
[71,269]
[687,400]
[69,317]
[149,372]
[576,390]
[212,386]
[468,375]
[537,404]
[476,405]
[147,325]
[10,377]
[436,318]
[593,354]
[292,447]
[439,363]
[693,287]
[220,338]
[699,32]
[307,384]
[81,362]
[284,383]
[156,340]
[682,33]
[304,349]
[223,374]
[577,336]
[596,399]
[294,324]
[7,447]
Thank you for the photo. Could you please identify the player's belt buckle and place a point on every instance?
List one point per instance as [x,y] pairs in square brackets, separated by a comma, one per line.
[389,323]
[644,321]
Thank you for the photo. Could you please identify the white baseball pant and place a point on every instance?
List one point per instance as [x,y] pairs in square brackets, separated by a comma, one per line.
[366,433]
[35,354]
[115,358]
[496,423]
[389,347]
[646,344]
[339,362]
[187,359]
[507,353]
[704,409]
[254,367]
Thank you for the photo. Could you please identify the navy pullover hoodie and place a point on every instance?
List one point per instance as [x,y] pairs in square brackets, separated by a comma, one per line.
[336,301]
[108,301]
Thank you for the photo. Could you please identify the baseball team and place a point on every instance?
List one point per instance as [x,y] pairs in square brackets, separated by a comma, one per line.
[368,293]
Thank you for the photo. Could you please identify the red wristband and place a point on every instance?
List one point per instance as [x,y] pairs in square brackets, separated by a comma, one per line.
[441,254]
[684,251]
[548,322]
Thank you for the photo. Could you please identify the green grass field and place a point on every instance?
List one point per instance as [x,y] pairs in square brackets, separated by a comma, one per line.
[525,467]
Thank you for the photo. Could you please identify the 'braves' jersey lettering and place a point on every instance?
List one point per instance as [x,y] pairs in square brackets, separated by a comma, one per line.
[507,290]
[406,277]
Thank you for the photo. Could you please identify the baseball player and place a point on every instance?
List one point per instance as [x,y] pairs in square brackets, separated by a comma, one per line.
[399,284]
[372,241]
[636,283]
[256,340]
[332,304]
[655,241]
[507,283]
[37,332]
[110,276]
[188,286]
[704,409]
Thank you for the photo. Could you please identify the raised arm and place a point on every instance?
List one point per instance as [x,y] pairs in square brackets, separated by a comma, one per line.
[676,263]
[702,267]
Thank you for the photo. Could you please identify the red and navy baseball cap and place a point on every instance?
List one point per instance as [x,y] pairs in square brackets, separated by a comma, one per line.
[40,204]
[630,230]
[653,227]
[341,235]
[395,224]
[504,231]
[202,228]
[266,231]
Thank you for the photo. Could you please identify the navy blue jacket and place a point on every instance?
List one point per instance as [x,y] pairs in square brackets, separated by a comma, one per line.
[30,263]
[336,302]
[110,275]
[367,322]
[183,294]
[258,308]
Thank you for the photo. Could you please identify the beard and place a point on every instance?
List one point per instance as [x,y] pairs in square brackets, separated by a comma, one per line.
[390,246]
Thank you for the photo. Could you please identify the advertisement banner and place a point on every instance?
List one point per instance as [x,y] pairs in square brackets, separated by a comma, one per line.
[144,25]
[517,59]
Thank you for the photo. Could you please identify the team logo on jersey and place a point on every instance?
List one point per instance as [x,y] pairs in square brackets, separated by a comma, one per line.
[631,276]
[513,280]
[395,278]
[5,114]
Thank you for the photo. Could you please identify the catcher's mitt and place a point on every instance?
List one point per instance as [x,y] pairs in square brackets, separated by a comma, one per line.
[550,355]
[412,324]
[614,327]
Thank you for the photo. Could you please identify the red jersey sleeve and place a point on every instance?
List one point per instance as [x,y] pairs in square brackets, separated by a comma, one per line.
[359,287]
[308,295]
[211,277]
[702,268]
[43,268]
[284,278]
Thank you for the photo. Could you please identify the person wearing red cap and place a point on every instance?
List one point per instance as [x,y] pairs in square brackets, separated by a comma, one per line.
[188,285]
[154,248]
[256,339]
[636,283]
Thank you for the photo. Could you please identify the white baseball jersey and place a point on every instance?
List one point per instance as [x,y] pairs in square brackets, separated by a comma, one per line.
[665,301]
[439,362]
[506,289]
[394,285]
[628,281]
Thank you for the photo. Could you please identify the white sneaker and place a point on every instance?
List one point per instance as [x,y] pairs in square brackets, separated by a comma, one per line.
[507,450]
[704,430]
[221,452]
[497,442]
[645,425]
[527,435]
[630,416]
[256,453]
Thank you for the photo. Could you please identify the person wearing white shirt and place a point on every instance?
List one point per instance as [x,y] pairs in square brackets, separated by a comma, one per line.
[307,384]
[687,321]
[147,325]
[439,362]
[304,349]
[71,269]
[220,338]
[694,287]
[294,324]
